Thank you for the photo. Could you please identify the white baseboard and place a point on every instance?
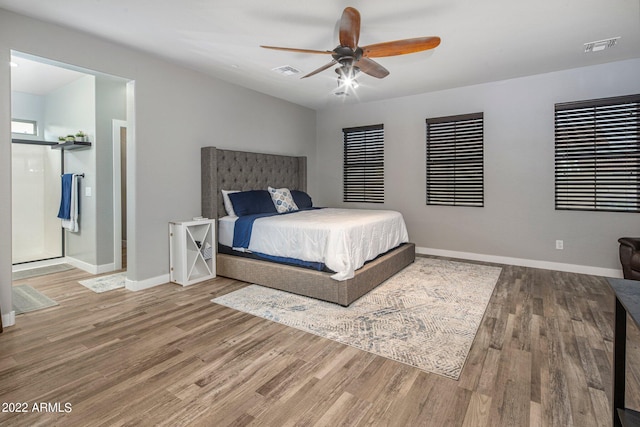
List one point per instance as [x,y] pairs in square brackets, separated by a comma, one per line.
[90,268]
[546,265]
[139,285]
[37,264]
[106,268]
[9,319]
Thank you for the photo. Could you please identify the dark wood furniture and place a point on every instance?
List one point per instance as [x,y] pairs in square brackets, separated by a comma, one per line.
[627,294]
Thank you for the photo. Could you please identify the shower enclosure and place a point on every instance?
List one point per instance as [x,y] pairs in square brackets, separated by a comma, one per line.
[36,232]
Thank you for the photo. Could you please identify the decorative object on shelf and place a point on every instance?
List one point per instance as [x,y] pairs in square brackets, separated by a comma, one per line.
[191,255]
[70,145]
[70,138]
[81,136]
[62,139]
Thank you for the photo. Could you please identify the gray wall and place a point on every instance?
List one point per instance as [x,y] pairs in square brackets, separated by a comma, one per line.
[177,111]
[518,221]
[69,109]
[111,103]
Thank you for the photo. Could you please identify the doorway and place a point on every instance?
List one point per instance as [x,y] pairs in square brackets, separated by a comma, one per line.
[98,105]
[120,194]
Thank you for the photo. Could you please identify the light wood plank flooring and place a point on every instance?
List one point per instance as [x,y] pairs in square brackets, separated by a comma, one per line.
[168,356]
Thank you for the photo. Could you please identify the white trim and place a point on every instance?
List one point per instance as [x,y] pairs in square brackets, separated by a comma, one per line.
[36,264]
[9,319]
[547,265]
[117,193]
[105,268]
[90,268]
[139,285]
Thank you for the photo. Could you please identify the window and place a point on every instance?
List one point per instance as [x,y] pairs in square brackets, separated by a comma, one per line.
[25,127]
[455,160]
[363,171]
[597,155]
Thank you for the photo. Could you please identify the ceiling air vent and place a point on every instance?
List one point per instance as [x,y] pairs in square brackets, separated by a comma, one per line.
[286,70]
[600,45]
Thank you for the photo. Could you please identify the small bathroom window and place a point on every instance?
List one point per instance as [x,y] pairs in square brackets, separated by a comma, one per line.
[24,127]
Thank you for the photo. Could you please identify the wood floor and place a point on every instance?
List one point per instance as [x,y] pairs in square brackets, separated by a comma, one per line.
[168,356]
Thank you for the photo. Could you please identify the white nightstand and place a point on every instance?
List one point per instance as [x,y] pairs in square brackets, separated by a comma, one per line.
[192,255]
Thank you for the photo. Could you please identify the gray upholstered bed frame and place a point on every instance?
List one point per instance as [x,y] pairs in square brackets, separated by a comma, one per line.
[239,170]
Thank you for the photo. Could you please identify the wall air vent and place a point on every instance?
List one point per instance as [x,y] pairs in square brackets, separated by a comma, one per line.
[286,70]
[600,45]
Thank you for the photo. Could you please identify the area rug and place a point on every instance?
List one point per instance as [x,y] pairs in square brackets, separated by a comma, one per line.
[40,271]
[105,283]
[26,299]
[426,316]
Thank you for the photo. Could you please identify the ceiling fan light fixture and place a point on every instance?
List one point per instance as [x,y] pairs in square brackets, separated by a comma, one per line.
[348,83]
[353,58]
[347,77]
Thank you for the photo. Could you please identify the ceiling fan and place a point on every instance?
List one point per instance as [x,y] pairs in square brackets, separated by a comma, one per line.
[353,58]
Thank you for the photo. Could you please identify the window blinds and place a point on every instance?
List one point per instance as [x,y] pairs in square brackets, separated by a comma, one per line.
[455,160]
[363,168]
[597,155]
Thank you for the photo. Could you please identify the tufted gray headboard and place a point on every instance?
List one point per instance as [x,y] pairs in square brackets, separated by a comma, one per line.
[241,170]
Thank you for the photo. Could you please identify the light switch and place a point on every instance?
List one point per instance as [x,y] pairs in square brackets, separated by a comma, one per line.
[87,191]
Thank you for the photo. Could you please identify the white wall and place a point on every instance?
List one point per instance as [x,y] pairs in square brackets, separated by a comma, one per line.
[36,231]
[518,221]
[177,111]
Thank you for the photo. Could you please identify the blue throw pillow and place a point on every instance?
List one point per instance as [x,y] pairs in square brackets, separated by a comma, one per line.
[252,202]
[302,199]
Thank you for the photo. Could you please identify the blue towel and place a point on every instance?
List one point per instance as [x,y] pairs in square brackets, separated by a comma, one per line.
[65,201]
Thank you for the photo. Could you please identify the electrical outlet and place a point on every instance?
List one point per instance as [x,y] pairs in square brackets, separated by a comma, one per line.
[559,244]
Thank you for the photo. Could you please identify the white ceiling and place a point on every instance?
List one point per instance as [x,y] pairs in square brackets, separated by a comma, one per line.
[39,78]
[481,40]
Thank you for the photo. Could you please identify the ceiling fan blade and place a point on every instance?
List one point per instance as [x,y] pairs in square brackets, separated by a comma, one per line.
[400,47]
[293,49]
[324,67]
[350,28]
[371,67]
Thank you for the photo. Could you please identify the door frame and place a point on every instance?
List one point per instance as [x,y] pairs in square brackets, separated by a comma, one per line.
[117,193]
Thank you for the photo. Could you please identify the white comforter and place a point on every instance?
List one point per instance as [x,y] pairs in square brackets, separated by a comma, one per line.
[343,239]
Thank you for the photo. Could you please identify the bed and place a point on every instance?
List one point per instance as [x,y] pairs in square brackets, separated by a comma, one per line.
[238,170]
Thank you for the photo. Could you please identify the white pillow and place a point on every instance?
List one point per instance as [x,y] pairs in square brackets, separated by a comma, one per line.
[282,200]
[228,206]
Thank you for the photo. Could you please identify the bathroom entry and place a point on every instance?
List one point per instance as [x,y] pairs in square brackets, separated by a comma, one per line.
[51,100]
[36,167]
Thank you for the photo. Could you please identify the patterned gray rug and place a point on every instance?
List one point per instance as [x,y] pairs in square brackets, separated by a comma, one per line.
[25,299]
[425,316]
[105,283]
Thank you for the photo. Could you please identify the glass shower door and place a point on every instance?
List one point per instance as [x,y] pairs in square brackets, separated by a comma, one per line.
[36,230]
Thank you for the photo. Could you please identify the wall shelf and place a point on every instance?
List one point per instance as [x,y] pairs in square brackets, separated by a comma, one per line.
[32,142]
[71,145]
[68,145]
